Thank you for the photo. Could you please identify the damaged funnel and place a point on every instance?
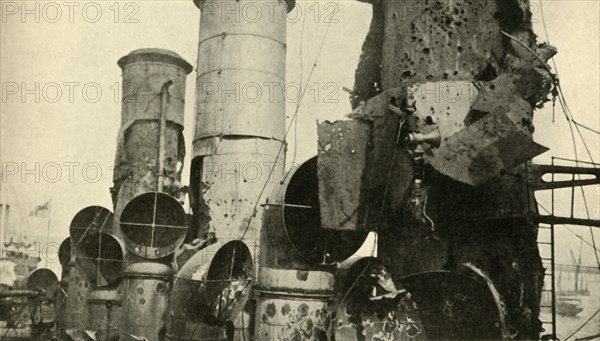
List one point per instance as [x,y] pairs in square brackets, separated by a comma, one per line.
[153,225]
[211,288]
[150,148]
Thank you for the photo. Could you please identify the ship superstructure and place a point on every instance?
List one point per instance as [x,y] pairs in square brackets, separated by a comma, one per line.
[434,161]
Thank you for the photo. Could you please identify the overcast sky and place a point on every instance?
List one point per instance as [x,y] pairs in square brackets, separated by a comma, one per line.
[79,50]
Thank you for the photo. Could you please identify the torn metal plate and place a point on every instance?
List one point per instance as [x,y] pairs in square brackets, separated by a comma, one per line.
[341,166]
[483,150]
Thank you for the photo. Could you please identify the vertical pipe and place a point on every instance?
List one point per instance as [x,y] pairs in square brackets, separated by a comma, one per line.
[164,102]
[4,209]
[553,266]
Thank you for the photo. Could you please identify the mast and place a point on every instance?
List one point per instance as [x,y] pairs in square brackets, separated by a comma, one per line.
[48,229]
[559,280]
[3,221]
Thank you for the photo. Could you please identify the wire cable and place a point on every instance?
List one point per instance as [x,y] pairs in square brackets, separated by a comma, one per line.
[569,229]
[295,119]
[571,121]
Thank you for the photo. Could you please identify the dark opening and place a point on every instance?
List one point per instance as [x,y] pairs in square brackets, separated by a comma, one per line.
[64,252]
[44,280]
[228,279]
[153,225]
[90,219]
[100,255]
[302,221]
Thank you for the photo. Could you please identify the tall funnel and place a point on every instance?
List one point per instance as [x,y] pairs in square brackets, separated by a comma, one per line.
[238,146]
[150,148]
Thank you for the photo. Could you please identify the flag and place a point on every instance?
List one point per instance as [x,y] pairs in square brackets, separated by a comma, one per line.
[41,211]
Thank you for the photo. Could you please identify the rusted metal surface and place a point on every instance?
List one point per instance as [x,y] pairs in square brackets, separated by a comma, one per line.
[146,289]
[390,171]
[100,256]
[438,40]
[341,163]
[88,220]
[442,105]
[230,173]
[386,173]
[485,149]
[293,305]
[74,317]
[367,78]
[153,225]
[455,306]
[368,306]
[137,170]
[209,292]
[496,135]
[138,159]
[104,307]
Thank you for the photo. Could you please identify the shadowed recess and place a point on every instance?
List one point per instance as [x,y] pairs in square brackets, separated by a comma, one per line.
[90,219]
[153,225]
[100,255]
[302,222]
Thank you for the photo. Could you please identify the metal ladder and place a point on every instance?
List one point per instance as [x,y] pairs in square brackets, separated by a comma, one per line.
[549,246]
[548,222]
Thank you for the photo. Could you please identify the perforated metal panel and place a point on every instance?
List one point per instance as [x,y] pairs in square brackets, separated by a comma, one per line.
[101,258]
[90,219]
[153,225]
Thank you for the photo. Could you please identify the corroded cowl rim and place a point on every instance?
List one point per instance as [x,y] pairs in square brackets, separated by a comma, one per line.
[155,55]
[290,4]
